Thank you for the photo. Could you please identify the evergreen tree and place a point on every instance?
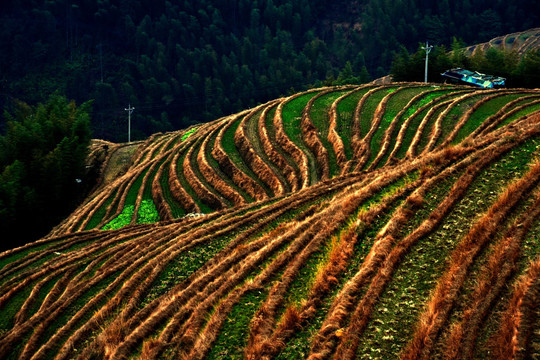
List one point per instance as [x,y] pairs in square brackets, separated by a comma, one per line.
[528,71]
[42,171]
[346,75]
[121,52]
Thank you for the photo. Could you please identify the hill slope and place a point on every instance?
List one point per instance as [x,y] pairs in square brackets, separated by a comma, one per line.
[292,143]
[351,222]
[520,42]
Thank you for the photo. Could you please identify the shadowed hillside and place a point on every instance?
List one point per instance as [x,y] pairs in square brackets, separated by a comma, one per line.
[520,42]
[370,222]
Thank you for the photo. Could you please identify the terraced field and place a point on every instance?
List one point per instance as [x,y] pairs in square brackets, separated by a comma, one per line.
[357,222]
[520,42]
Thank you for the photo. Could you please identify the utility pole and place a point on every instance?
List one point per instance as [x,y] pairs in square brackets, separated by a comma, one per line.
[427,48]
[129,110]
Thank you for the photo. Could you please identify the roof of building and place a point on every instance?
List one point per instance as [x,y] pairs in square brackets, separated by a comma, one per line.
[474,78]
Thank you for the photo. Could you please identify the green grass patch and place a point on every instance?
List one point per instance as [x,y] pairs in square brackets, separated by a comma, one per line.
[292,116]
[159,148]
[185,264]
[215,166]
[100,213]
[213,163]
[368,110]
[232,339]
[454,115]
[252,133]
[147,213]
[188,133]
[523,112]
[292,124]
[319,118]
[345,119]
[176,209]
[394,105]
[13,305]
[415,122]
[21,254]
[173,143]
[187,187]
[233,153]
[485,110]
[43,292]
[269,124]
[425,137]
[123,219]
[133,192]
[77,305]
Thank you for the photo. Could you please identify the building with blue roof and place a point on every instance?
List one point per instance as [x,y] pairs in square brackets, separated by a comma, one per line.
[474,78]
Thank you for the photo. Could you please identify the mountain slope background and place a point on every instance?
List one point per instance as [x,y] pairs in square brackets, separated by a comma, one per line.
[185,62]
[372,222]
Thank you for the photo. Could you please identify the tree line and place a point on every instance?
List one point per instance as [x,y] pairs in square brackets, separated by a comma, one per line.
[518,71]
[42,167]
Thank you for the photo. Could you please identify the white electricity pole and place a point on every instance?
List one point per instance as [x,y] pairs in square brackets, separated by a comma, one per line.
[428,50]
[129,110]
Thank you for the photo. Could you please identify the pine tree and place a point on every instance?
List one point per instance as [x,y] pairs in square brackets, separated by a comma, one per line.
[41,155]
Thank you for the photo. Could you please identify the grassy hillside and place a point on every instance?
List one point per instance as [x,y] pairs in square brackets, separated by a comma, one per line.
[521,42]
[370,222]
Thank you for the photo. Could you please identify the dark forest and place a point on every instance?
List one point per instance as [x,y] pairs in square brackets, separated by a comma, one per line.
[183,62]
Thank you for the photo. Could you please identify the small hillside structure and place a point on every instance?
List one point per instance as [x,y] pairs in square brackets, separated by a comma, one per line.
[474,78]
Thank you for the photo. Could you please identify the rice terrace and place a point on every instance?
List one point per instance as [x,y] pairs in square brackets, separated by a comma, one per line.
[396,221]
